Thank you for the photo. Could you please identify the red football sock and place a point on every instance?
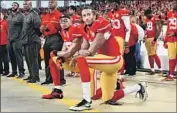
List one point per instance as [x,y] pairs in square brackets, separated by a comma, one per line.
[55,73]
[118,94]
[98,94]
[172,65]
[84,69]
[151,62]
[157,60]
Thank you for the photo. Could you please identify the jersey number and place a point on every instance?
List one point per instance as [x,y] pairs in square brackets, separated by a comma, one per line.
[149,26]
[115,24]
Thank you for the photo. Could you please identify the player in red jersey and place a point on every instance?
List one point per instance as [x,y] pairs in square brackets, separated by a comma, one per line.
[170,42]
[153,31]
[137,33]
[75,19]
[120,20]
[72,42]
[108,60]
[72,35]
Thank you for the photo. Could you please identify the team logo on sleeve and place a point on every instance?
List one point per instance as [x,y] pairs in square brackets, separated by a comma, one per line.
[107,35]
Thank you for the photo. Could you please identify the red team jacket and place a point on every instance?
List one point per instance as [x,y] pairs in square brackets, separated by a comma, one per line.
[133,35]
[51,20]
[3,32]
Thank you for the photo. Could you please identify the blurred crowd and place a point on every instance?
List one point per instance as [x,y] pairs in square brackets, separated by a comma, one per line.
[136,8]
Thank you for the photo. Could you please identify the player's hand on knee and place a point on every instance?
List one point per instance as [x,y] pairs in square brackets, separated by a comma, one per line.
[165,45]
[59,62]
[127,50]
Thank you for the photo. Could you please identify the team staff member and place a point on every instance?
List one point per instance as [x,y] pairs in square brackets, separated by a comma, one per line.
[50,27]
[129,54]
[170,42]
[4,70]
[31,40]
[137,33]
[15,24]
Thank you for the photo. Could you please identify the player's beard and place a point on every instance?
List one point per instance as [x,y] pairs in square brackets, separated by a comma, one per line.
[15,10]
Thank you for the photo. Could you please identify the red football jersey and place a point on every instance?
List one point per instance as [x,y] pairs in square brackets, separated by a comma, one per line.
[151,27]
[101,25]
[71,33]
[110,15]
[76,18]
[118,24]
[171,27]
[133,35]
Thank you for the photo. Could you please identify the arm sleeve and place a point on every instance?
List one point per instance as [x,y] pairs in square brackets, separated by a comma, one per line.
[126,20]
[101,26]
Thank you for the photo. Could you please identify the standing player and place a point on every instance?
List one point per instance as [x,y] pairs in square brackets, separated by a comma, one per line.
[170,42]
[120,20]
[153,31]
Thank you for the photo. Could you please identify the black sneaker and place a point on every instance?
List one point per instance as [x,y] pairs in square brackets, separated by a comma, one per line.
[46,83]
[29,77]
[63,84]
[11,75]
[112,102]
[34,80]
[5,74]
[83,105]
[21,75]
[150,73]
[143,95]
